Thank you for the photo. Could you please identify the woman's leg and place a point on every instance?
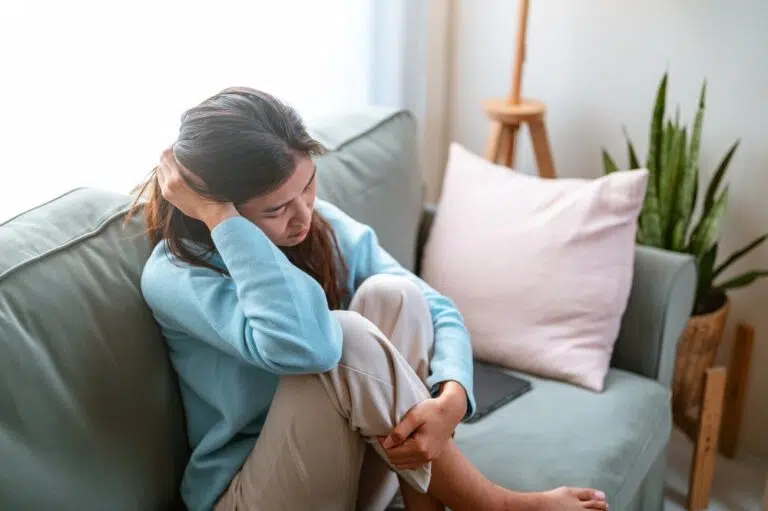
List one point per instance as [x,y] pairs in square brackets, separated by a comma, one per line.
[306,457]
[310,451]
[309,457]
[399,309]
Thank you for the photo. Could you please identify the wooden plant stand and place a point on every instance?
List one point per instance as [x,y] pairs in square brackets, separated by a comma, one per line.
[736,388]
[509,114]
[708,401]
[698,392]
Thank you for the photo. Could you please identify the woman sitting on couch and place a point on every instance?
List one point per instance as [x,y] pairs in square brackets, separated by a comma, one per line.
[314,370]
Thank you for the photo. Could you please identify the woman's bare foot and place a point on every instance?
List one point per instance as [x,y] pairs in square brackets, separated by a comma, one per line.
[569,499]
[461,486]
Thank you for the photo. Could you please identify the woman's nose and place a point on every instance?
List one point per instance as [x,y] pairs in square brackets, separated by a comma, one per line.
[303,212]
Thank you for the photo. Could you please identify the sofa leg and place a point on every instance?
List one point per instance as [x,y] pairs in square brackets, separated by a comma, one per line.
[705,446]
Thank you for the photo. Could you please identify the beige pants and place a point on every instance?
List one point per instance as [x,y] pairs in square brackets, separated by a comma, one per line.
[318,448]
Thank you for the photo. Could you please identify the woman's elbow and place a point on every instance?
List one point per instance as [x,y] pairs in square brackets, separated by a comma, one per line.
[303,354]
[325,359]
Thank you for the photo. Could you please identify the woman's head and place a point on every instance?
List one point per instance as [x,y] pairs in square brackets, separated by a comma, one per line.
[250,149]
[246,147]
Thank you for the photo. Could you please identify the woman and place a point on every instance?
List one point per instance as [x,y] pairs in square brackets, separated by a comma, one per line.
[315,371]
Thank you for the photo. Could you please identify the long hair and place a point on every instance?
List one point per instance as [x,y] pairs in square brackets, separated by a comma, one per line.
[242,143]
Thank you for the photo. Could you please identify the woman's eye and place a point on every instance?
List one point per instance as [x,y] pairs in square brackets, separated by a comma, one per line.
[275,214]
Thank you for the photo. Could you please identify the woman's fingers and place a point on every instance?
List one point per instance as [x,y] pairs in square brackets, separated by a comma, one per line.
[167,159]
[410,464]
[405,450]
[406,456]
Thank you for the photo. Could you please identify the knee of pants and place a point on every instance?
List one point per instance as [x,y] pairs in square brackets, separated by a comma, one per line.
[391,290]
[362,340]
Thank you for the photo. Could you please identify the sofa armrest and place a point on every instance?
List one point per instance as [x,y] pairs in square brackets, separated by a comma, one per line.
[660,303]
[425,225]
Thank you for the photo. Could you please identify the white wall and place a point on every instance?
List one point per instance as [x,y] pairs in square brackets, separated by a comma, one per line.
[596,63]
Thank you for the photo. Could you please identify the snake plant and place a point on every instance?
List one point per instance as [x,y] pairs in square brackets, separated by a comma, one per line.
[667,218]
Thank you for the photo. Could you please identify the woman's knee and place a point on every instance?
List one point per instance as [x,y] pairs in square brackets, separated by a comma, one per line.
[357,331]
[390,290]
[363,343]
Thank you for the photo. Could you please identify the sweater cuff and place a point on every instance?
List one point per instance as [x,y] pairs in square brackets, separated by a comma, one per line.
[434,381]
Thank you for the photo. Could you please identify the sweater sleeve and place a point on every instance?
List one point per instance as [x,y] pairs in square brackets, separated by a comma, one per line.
[267,312]
[452,353]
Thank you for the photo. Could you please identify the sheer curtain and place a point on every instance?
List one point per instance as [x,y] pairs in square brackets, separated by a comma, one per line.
[91,91]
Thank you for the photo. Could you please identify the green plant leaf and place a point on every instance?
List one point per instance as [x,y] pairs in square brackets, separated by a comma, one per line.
[668,179]
[682,164]
[650,218]
[608,164]
[742,280]
[679,230]
[634,163]
[707,229]
[695,193]
[640,237]
[714,184]
[653,160]
[705,263]
[666,143]
[738,254]
[685,203]
[693,156]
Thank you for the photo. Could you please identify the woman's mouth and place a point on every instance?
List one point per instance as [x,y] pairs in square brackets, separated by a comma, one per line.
[300,234]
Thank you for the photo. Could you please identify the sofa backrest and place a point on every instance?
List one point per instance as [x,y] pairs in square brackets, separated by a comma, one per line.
[90,417]
[372,173]
[89,410]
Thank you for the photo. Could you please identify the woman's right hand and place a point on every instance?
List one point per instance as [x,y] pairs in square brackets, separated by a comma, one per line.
[170,177]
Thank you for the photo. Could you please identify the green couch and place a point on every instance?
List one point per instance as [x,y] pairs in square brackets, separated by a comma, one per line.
[90,417]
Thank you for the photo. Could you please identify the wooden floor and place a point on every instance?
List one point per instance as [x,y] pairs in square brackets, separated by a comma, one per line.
[738,485]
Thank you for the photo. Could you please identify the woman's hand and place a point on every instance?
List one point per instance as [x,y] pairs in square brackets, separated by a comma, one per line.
[425,430]
[170,177]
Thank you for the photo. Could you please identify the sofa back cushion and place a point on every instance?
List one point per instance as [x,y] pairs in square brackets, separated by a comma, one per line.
[89,411]
[372,173]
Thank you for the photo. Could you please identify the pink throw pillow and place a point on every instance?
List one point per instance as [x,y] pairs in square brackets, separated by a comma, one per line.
[540,269]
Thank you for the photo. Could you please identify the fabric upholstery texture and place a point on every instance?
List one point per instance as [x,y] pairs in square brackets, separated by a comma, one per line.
[547,292]
[89,412]
[372,173]
[561,434]
[659,306]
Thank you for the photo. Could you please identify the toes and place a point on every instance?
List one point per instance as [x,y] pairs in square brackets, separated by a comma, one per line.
[589,494]
[595,504]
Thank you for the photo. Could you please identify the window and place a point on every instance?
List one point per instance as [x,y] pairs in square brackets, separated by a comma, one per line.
[92,91]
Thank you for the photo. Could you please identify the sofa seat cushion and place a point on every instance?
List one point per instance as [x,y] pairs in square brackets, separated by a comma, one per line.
[562,435]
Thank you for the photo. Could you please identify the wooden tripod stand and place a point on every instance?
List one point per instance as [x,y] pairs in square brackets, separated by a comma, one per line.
[508,115]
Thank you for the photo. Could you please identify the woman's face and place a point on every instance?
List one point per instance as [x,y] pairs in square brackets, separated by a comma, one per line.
[285,214]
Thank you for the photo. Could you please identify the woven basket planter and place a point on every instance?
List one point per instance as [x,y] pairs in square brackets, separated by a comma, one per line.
[696,353]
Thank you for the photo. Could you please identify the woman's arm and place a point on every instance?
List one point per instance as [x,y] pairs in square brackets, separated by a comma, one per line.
[268,312]
[452,355]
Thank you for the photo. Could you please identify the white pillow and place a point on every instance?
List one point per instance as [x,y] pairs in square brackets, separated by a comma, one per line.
[540,269]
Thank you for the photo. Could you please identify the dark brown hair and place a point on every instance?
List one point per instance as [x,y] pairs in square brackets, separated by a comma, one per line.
[242,143]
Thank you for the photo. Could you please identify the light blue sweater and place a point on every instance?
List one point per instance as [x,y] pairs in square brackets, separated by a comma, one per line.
[229,339]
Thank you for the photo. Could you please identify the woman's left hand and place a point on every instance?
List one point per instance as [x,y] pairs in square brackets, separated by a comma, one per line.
[425,430]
